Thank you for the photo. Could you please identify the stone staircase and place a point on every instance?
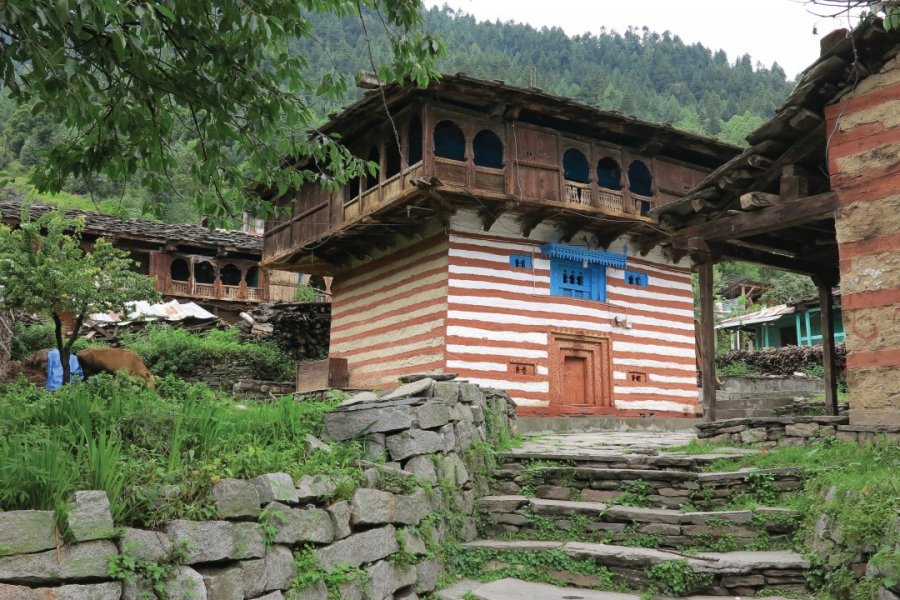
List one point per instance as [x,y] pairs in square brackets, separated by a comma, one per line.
[631,516]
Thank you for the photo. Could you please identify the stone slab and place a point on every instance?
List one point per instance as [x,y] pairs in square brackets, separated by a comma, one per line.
[78,562]
[27,531]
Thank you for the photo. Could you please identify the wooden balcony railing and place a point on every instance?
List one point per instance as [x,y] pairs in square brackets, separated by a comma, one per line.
[638,203]
[578,193]
[213,291]
[610,200]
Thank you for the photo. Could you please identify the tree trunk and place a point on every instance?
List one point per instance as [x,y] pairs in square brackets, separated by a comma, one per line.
[63,351]
[6,322]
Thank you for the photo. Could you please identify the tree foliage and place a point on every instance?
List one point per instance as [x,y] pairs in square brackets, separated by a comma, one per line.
[44,270]
[129,80]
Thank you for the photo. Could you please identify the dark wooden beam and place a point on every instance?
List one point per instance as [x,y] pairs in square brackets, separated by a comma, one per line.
[490,214]
[773,218]
[707,328]
[733,251]
[528,221]
[829,358]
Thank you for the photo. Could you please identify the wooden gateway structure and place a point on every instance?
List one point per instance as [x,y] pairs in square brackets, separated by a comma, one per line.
[505,238]
[817,193]
[217,269]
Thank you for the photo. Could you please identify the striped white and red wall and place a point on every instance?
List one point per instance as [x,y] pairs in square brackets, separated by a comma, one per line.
[453,303]
[864,164]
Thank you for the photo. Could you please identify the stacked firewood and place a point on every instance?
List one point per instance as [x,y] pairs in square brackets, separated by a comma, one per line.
[302,328]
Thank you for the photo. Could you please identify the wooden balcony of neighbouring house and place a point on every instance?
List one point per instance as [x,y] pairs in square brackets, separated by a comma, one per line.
[209,279]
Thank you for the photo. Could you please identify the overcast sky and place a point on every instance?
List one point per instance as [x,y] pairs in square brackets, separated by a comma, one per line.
[768,30]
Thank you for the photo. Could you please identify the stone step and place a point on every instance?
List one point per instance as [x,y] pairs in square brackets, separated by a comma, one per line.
[656,488]
[616,459]
[520,516]
[714,573]
[516,589]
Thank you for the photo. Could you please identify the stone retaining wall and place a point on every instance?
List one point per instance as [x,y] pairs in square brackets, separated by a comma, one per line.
[792,431]
[763,395]
[381,537]
[255,388]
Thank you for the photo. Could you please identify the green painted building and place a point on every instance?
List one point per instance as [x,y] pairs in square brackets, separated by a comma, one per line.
[797,324]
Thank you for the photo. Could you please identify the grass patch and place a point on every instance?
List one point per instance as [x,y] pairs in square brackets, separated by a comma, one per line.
[855,491]
[155,453]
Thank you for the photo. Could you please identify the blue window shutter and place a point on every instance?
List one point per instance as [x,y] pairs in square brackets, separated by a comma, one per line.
[572,279]
[637,279]
[519,261]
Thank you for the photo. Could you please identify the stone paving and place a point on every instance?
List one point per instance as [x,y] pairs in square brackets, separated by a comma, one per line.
[610,443]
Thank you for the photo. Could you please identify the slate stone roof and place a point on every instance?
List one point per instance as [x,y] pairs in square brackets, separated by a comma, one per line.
[181,235]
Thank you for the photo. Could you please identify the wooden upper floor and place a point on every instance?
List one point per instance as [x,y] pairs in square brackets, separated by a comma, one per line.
[466,141]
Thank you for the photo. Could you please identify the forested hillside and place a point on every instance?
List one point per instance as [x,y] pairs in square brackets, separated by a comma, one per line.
[654,76]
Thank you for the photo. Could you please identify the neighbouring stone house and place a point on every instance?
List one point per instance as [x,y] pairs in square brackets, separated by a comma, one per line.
[217,269]
[818,192]
[505,240]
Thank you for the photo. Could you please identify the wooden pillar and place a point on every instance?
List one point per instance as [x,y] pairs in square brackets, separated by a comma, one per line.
[826,302]
[707,334]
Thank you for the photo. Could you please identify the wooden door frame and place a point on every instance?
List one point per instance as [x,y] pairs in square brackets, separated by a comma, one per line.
[600,346]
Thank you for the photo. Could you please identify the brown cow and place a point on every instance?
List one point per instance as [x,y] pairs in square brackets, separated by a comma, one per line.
[112,360]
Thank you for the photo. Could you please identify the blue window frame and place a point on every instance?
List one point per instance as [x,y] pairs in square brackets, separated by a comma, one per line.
[519,261]
[636,278]
[575,280]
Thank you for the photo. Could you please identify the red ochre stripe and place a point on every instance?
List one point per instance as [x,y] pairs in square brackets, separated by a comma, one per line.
[873,359]
[870,299]
[876,245]
[343,322]
[390,288]
[379,329]
[351,290]
[864,144]
[436,331]
[389,358]
[390,376]
[499,296]
[862,102]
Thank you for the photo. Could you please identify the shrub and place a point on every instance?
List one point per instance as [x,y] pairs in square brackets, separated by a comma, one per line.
[31,337]
[173,351]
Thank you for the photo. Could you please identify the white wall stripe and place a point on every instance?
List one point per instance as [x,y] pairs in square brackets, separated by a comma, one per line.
[655,405]
[619,346]
[671,379]
[496,351]
[513,319]
[511,274]
[550,307]
[652,364]
[523,386]
[477,366]
[640,293]
[497,336]
[635,390]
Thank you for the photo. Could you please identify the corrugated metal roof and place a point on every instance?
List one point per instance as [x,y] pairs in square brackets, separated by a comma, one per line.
[166,311]
[766,315]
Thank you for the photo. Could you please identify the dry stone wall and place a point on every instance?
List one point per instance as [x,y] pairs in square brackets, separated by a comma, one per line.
[792,431]
[275,538]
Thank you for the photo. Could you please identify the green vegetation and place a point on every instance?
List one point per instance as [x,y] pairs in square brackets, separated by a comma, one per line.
[310,573]
[852,491]
[171,350]
[148,575]
[677,578]
[485,564]
[155,453]
[738,368]
[142,96]
[44,270]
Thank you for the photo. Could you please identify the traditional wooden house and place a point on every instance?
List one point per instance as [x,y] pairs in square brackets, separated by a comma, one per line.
[217,269]
[794,324]
[817,193]
[502,239]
